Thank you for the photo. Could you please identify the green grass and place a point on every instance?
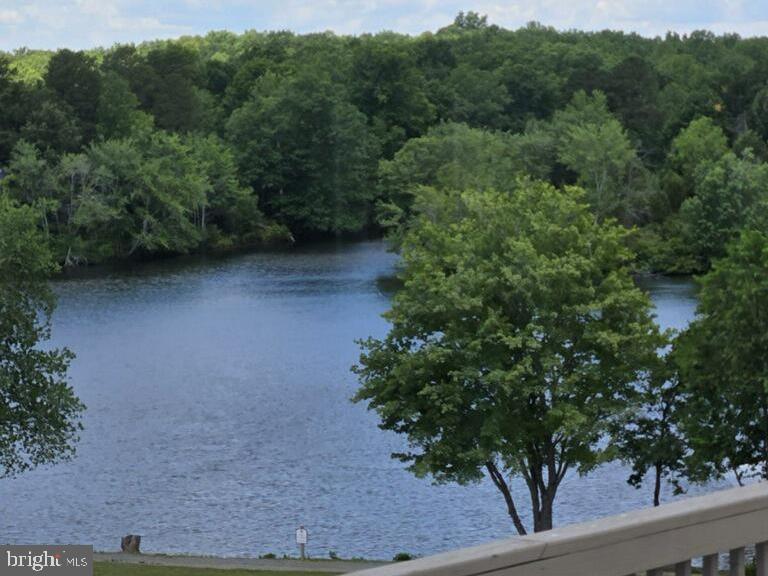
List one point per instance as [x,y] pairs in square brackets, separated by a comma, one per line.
[115,569]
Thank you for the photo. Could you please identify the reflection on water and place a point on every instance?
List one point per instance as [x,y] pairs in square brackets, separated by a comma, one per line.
[219,417]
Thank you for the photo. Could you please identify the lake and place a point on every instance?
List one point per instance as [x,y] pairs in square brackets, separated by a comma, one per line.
[219,417]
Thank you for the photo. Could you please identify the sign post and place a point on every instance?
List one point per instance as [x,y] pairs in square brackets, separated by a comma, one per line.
[301,540]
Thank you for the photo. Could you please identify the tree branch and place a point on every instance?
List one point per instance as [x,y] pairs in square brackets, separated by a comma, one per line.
[501,484]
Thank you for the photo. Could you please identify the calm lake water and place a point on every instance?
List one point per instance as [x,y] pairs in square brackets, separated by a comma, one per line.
[219,417]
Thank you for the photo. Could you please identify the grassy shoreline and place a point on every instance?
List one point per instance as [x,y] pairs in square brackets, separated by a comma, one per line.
[121,564]
[117,569]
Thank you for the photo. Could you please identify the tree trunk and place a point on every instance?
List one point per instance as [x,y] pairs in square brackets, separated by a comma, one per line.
[657,485]
[131,544]
[542,518]
[501,484]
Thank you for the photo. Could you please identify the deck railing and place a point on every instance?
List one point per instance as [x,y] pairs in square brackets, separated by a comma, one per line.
[651,541]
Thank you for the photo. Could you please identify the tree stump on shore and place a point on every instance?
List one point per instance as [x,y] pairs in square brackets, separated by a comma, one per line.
[131,544]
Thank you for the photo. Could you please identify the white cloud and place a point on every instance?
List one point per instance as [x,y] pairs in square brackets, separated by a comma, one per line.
[80,24]
[10,17]
[86,23]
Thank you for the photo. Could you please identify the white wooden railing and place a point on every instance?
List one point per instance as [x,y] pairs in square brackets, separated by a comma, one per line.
[653,541]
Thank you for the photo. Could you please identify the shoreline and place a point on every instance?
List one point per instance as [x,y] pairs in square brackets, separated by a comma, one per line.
[334,566]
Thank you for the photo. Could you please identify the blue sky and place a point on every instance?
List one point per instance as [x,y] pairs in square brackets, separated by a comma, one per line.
[86,23]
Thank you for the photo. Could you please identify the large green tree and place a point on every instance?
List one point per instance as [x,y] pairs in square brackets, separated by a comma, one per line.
[307,152]
[516,340]
[449,157]
[74,78]
[702,141]
[724,368]
[592,143]
[39,412]
[727,194]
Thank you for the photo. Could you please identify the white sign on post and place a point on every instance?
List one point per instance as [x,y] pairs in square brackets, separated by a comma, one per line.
[301,540]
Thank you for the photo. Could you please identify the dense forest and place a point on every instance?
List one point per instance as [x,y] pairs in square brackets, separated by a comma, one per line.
[232,140]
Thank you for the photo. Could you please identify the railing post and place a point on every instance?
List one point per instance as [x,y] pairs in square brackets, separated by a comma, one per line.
[737,562]
[761,559]
[711,565]
[683,568]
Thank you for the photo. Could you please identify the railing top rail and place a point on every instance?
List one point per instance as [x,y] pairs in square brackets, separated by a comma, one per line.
[621,544]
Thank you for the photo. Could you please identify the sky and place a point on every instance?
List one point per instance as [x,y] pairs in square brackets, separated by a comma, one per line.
[79,24]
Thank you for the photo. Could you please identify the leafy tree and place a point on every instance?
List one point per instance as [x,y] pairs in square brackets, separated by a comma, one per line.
[39,412]
[477,97]
[118,113]
[133,197]
[307,152]
[585,70]
[601,155]
[12,108]
[751,140]
[74,78]
[230,209]
[723,366]
[758,112]
[30,180]
[727,192]
[593,144]
[688,92]
[516,340]
[165,188]
[632,89]
[390,90]
[533,86]
[174,94]
[649,439]
[126,62]
[51,126]
[470,21]
[449,157]
[700,142]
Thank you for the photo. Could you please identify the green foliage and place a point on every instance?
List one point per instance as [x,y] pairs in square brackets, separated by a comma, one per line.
[73,77]
[751,141]
[584,143]
[662,248]
[12,112]
[309,118]
[649,439]
[477,97]
[759,111]
[172,91]
[517,338]
[449,157]
[51,126]
[390,90]
[701,142]
[118,112]
[157,193]
[632,88]
[39,413]
[307,152]
[594,145]
[30,65]
[728,193]
[723,368]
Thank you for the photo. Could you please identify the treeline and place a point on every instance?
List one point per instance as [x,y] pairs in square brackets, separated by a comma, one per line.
[226,140]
